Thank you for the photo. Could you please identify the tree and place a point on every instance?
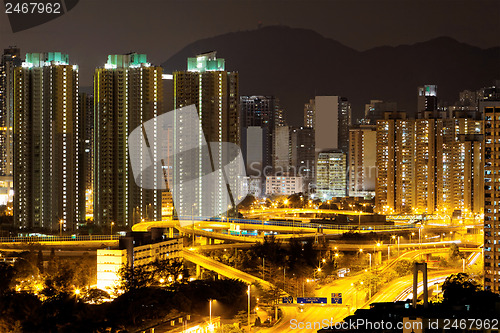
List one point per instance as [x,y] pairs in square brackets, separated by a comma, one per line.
[169,271]
[52,262]
[242,317]
[270,249]
[39,263]
[229,329]
[458,287]
[270,296]
[95,296]
[297,200]
[85,271]
[132,278]
[404,267]
[26,266]
[247,202]
[455,253]
[6,276]
[165,273]
[62,281]
[369,281]
[12,327]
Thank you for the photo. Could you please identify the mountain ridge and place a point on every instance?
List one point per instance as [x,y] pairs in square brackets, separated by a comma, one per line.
[295,64]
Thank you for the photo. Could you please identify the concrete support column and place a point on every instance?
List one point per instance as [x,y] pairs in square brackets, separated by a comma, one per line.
[426,290]
[422,267]
[415,284]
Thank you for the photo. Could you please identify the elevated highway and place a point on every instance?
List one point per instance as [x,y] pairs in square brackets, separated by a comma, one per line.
[401,288]
[89,242]
[221,268]
[254,228]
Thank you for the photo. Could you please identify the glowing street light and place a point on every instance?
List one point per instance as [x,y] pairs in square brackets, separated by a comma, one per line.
[248,315]
[210,305]
[111,231]
[192,219]
[61,221]
[356,296]
[376,248]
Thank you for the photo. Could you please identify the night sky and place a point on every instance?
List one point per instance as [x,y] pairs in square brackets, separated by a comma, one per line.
[96,28]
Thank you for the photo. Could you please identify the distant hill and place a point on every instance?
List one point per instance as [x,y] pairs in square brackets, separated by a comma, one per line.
[296,64]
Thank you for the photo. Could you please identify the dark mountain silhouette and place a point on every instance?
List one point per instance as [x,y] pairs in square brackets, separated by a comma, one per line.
[296,64]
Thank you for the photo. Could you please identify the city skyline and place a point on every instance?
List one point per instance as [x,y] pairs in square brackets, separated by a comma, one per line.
[440,179]
[395,30]
[212,166]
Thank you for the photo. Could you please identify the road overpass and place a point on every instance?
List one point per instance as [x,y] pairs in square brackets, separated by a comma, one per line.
[77,242]
[253,228]
[400,288]
[222,269]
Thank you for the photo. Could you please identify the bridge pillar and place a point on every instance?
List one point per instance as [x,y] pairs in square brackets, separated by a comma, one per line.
[198,271]
[420,267]
[170,232]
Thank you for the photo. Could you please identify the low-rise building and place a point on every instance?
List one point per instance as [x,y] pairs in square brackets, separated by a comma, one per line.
[137,249]
[284,185]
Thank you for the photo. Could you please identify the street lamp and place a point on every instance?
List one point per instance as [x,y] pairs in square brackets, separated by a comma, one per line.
[376,247]
[192,218]
[355,295]
[210,305]
[248,292]
[61,221]
[420,236]
[111,232]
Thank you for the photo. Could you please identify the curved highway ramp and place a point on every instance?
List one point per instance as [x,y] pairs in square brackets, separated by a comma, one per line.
[221,268]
